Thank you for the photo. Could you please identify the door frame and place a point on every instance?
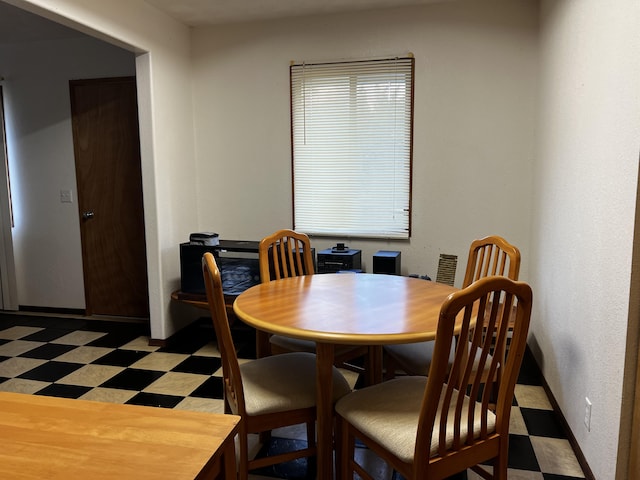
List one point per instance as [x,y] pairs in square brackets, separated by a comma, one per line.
[8,284]
[628,466]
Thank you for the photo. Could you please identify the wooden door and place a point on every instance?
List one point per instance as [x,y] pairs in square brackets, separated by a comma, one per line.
[109,182]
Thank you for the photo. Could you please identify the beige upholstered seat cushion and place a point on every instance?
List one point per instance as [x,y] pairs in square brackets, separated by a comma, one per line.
[388,412]
[415,358]
[284,382]
[298,345]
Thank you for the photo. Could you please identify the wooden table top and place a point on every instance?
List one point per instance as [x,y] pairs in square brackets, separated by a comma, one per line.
[346,308]
[56,438]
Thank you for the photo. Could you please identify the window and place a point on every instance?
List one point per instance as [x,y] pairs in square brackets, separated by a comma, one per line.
[352,146]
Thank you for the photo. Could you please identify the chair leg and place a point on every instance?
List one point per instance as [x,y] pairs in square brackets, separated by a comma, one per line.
[347,450]
[312,464]
[337,446]
[501,462]
[264,437]
[311,434]
[243,460]
[389,374]
[390,367]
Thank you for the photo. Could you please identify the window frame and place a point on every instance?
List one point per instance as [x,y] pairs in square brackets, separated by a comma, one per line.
[396,229]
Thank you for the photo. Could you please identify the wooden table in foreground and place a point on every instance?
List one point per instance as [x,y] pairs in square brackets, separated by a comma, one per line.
[59,438]
[353,309]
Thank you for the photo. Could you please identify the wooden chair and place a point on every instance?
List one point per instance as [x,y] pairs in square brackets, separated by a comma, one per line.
[287,253]
[488,256]
[436,426]
[267,393]
[491,256]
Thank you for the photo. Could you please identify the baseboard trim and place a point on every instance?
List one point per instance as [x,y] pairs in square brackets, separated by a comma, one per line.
[71,313]
[52,310]
[159,342]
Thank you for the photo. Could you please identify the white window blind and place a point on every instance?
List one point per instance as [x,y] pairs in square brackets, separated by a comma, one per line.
[352,145]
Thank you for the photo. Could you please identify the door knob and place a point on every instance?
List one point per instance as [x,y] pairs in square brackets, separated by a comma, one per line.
[88,215]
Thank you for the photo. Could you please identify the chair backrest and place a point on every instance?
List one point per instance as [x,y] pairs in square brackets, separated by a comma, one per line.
[285,253]
[491,256]
[468,307]
[234,395]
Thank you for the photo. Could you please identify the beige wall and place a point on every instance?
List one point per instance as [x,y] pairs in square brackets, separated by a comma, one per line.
[475,102]
[584,214]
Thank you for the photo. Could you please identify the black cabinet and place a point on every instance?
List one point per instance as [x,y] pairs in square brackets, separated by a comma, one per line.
[237,260]
[385,261]
[332,260]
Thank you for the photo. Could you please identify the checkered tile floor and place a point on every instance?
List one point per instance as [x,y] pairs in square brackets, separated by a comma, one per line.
[112,362]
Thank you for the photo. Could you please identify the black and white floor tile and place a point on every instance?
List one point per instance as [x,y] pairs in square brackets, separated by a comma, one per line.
[113,362]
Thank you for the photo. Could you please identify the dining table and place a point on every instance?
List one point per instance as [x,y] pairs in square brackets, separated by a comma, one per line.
[343,308]
[61,438]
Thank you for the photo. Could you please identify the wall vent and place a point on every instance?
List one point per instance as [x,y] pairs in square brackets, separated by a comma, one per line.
[447,269]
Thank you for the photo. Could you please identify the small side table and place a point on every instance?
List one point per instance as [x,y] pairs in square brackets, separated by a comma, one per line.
[200,301]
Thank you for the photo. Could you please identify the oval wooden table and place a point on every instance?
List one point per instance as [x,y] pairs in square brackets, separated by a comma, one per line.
[353,309]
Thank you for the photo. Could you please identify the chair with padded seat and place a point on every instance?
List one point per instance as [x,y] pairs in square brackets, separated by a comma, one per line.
[287,253]
[268,393]
[488,256]
[436,426]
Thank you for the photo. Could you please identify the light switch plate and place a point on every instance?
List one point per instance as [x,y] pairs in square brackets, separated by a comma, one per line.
[66,196]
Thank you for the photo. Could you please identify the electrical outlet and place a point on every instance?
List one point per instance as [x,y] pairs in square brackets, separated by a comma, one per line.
[66,196]
[587,413]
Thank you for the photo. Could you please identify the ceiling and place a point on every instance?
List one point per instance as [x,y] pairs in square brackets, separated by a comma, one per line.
[17,25]
[212,12]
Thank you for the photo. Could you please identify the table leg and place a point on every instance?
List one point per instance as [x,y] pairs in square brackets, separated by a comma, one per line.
[324,394]
[374,365]
[229,464]
[263,348]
